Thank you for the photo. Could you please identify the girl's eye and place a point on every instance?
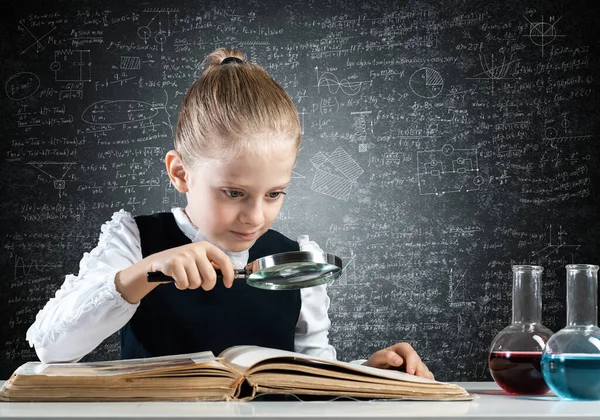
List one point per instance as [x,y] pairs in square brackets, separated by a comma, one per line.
[275,194]
[233,193]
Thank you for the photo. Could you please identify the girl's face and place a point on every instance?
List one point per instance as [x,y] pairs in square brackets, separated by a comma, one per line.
[234,202]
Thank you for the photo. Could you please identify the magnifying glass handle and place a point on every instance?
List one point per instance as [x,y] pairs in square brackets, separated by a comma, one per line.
[158,276]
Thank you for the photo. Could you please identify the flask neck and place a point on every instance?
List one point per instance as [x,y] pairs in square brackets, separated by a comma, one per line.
[527,294]
[582,294]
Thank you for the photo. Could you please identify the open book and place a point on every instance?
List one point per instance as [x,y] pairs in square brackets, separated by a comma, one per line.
[239,373]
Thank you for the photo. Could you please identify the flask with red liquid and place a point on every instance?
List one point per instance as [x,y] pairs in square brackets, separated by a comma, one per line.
[516,351]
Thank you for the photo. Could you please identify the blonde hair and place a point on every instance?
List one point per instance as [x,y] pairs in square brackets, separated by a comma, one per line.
[229,102]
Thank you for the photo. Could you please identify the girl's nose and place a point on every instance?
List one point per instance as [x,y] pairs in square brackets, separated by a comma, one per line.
[252,213]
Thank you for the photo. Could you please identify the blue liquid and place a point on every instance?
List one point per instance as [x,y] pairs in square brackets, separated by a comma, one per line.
[573,376]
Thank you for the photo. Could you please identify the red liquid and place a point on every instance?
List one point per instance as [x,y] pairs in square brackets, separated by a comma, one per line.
[518,372]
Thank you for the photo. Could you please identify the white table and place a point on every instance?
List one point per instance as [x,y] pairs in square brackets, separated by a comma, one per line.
[491,404]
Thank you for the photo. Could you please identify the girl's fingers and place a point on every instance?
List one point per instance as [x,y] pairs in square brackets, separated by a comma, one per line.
[207,272]
[193,275]
[400,355]
[193,266]
[180,276]
[413,361]
[423,371]
[392,359]
[221,261]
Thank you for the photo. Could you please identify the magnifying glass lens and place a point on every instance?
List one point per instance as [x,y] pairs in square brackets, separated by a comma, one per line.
[294,275]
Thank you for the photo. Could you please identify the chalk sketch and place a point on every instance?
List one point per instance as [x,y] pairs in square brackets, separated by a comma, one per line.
[335,174]
[552,247]
[362,129]
[348,276]
[562,134]
[494,71]
[543,33]
[172,197]
[145,32]
[301,114]
[24,269]
[426,83]
[72,66]
[456,284]
[130,63]
[334,85]
[37,40]
[296,175]
[448,170]
[118,112]
[59,169]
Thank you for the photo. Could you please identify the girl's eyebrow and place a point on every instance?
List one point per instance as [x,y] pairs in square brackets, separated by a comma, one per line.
[231,184]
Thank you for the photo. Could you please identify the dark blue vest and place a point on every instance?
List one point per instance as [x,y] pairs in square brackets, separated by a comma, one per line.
[172,321]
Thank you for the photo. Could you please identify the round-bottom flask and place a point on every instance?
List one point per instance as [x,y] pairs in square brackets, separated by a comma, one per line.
[516,351]
[571,359]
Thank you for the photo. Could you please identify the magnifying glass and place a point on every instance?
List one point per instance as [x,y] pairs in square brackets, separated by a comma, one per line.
[284,271]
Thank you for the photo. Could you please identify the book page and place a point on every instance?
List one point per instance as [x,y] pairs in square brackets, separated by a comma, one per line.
[246,357]
[119,367]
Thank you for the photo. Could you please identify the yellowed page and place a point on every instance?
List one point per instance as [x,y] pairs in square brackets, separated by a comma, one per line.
[249,358]
[120,367]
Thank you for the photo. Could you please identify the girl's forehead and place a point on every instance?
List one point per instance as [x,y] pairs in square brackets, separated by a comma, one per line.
[275,166]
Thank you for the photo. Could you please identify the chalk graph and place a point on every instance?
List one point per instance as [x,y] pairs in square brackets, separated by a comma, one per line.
[448,170]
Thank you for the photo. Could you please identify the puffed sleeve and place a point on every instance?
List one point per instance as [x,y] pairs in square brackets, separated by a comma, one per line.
[312,329]
[87,308]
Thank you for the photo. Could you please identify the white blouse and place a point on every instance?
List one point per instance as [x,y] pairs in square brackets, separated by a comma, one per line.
[87,308]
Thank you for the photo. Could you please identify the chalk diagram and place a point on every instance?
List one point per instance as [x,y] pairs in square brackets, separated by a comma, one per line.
[493,70]
[334,85]
[336,174]
[564,133]
[362,129]
[348,276]
[21,86]
[448,170]
[130,63]
[37,40]
[296,175]
[56,171]
[426,83]
[553,248]
[542,33]
[301,114]
[26,268]
[117,112]
[72,66]
[453,290]
[160,37]
[170,195]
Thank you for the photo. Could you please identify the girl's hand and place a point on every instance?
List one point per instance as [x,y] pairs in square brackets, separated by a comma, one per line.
[400,355]
[193,265]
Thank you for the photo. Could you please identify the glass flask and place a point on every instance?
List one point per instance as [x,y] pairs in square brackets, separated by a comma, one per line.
[516,351]
[571,359]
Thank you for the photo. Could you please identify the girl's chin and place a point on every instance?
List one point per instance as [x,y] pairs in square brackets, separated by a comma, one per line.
[238,245]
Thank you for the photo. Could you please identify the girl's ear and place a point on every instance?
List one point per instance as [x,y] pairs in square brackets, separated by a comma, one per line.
[176,171]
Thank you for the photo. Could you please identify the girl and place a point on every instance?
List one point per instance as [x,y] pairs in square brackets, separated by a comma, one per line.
[236,142]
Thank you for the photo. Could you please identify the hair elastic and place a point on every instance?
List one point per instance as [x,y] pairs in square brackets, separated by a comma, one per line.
[231,60]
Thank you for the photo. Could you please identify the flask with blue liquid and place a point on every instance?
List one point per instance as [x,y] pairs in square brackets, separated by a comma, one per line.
[571,358]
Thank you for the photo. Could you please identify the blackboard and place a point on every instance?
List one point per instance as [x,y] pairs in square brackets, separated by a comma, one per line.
[443,142]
